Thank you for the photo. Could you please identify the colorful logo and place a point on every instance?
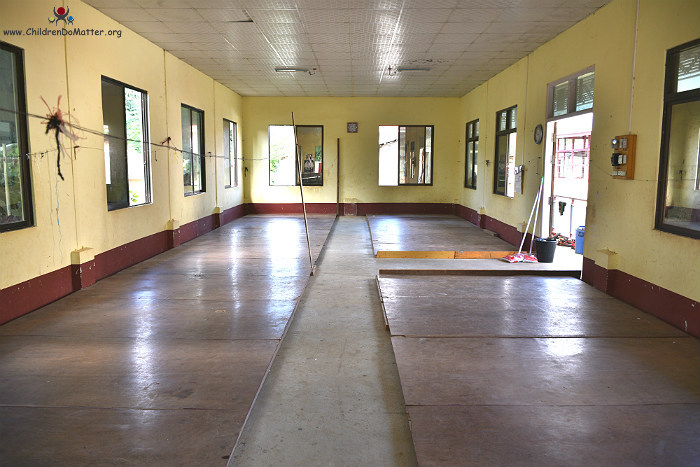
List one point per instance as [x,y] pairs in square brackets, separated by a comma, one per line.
[61,14]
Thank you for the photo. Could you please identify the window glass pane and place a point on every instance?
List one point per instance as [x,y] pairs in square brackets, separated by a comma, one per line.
[14,168]
[470,130]
[584,91]
[476,128]
[513,123]
[227,152]
[310,140]
[689,69]
[561,98]
[233,144]
[502,118]
[510,179]
[428,159]
[405,155]
[388,155]
[413,156]
[282,155]
[197,173]
[196,132]
[682,198]
[186,115]
[136,147]
[476,162]
[469,176]
[501,164]
[113,117]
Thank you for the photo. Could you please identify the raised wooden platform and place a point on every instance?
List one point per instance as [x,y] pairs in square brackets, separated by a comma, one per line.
[532,370]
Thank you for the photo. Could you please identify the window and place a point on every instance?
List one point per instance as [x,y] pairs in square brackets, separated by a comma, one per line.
[193,166]
[15,179]
[230,153]
[405,155]
[504,174]
[472,150]
[284,168]
[678,199]
[127,161]
[571,94]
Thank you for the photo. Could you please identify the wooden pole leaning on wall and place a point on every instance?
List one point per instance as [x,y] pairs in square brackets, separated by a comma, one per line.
[337,183]
[297,152]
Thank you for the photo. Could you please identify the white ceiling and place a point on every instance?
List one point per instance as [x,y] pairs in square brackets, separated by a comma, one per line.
[351,43]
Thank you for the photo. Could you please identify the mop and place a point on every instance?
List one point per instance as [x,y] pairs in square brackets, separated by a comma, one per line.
[520,256]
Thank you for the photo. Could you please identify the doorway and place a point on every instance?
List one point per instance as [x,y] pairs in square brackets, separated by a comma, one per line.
[567,162]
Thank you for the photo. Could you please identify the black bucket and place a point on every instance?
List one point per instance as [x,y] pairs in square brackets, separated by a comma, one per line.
[545,249]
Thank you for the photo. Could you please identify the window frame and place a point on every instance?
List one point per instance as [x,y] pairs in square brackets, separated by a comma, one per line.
[474,141]
[506,132]
[146,145]
[572,81]
[296,156]
[671,98]
[231,157]
[201,149]
[398,153]
[22,141]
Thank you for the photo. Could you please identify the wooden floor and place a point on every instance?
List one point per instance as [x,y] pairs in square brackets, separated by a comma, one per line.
[431,236]
[160,363]
[534,371]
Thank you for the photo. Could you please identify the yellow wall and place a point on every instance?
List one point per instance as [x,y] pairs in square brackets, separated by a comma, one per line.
[72,67]
[359,152]
[620,215]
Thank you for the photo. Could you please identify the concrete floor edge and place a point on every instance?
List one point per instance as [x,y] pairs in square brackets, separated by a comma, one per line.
[284,334]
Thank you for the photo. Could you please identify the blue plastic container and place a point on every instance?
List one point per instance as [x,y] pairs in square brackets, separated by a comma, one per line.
[580,237]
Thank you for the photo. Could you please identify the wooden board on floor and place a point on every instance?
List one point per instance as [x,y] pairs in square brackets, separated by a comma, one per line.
[437,233]
[417,254]
[516,370]
[482,254]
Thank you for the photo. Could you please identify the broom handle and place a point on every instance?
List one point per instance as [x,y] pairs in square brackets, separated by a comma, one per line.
[537,213]
[532,211]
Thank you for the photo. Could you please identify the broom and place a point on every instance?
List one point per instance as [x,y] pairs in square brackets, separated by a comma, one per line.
[520,256]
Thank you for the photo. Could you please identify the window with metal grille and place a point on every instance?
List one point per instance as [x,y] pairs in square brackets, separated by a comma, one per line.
[572,156]
[571,94]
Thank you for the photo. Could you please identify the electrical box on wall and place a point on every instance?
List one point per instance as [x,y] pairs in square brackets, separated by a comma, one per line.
[622,159]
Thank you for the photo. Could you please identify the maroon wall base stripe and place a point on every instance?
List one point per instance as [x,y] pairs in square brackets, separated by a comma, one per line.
[669,306]
[289,208]
[364,209]
[27,296]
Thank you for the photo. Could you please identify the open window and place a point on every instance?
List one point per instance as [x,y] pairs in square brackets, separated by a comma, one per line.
[506,135]
[127,152]
[230,154]
[15,179]
[678,199]
[405,155]
[193,164]
[472,154]
[284,168]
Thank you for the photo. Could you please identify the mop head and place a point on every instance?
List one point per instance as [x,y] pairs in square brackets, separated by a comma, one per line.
[520,258]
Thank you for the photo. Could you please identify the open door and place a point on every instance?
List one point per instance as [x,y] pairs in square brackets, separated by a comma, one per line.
[567,157]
